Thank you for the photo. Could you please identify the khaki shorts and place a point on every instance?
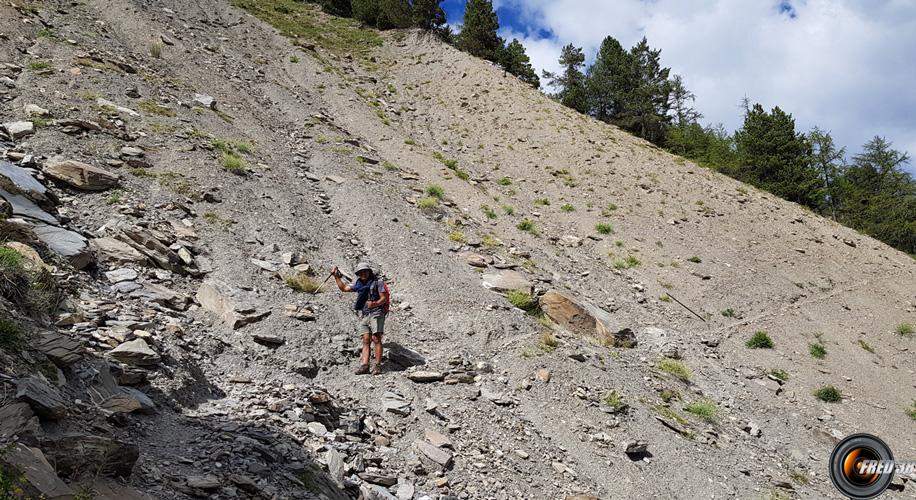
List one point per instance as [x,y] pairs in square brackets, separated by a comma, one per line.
[374,325]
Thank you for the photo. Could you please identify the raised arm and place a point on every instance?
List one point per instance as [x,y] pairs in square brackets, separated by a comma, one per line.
[340,284]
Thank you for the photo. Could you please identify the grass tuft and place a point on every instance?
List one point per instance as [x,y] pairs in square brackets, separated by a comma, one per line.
[604,228]
[233,163]
[760,340]
[435,191]
[779,374]
[905,329]
[828,394]
[705,409]
[817,350]
[522,300]
[614,400]
[302,282]
[427,202]
[526,225]
[675,368]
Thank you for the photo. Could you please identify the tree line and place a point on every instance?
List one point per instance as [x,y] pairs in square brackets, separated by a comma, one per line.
[478,36]
[870,191]
[631,89]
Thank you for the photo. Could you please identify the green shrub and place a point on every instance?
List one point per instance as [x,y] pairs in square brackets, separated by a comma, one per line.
[760,340]
[391,167]
[817,350]
[435,191]
[905,329]
[294,59]
[779,374]
[508,209]
[568,208]
[668,395]
[39,65]
[151,107]
[489,212]
[456,236]
[115,197]
[675,368]
[410,142]
[911,410]
[828,394]
[695,259]
[627,263]
[10,257]
[461,174]
[451,164]
[614,400]
[604,228]
[664,297]
[541,202]
[522,300]
[704,409]
[10,336]
[865,345]
[233,163]
[244,147]
[155,50]
[504,181]
[548,342]
[527,225]
[428,202]
[728,313]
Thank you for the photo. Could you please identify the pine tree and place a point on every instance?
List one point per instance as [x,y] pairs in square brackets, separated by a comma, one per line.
[478,34]
[428,15]
[516,61]
[878,197]
[774,157]
[610,80]
[570,84]
[383,14]
[829,161]
[682,103]
[646,108]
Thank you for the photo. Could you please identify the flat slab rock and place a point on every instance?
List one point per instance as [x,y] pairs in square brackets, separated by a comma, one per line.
[505,280]
[44,400]
[61,350]
[81,175]
[135,352]
[221,300]
[425,376]
[68,244]
[40,480]
[76,452]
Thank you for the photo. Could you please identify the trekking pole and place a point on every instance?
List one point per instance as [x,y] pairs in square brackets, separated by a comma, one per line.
[685,307]
[316,291]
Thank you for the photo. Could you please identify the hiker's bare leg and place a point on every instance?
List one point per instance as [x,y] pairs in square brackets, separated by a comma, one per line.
[377,339]
[364,358]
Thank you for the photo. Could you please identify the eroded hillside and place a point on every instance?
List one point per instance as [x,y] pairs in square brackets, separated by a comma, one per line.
[235,158]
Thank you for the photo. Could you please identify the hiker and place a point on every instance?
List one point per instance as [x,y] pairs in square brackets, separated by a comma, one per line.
[372,305]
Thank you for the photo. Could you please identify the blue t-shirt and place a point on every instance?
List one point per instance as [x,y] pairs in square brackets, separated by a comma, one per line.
[359,287]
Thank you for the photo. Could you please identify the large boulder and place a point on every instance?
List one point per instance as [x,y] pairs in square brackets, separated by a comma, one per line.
[44,400]
[115,251]
[505,280]
[585,319]
[18,130]
[34,475]
[226,304]
[18,180]
[81,175]
[61,350]
[18,419]
[68,244]
[135,352]
[76,454]
[23,206]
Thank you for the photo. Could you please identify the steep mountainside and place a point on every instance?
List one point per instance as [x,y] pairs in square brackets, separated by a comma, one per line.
[319,148]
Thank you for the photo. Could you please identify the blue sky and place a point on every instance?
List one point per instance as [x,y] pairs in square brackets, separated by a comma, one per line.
[845,66]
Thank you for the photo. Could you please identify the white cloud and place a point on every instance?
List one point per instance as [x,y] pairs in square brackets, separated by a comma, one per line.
[843,65]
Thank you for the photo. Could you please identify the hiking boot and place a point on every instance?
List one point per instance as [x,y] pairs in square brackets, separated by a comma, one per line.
[377,370]
[362,370]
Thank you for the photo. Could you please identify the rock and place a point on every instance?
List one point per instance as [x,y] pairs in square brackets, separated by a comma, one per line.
[105,103]
[569,240]
[115,251]
[542,374]
[752,429]
[6,209]
[474,259]
[266,265]
[437,439]
[205,101]
[220,300]
[336,467]
[585,319]
[32,261]
[77,453]
[505,280]
[18,180]
[204,482]
[151,292]
[61,350]
[129,400]
[81,175]
[637,447]
[404,357]
[377,476]
[522,454]
[438,455]
[131,152]
[34,110]
[44,400]
[374,492]
[268,340]
[18,419]
[395,403]
[123,274]
[300,313]
[18,130]
[69,245]
[425,376]
[39,478]
[135,352]
[150,246]
[405,491]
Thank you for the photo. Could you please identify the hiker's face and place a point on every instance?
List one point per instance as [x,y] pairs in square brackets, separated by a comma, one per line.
[363,275]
